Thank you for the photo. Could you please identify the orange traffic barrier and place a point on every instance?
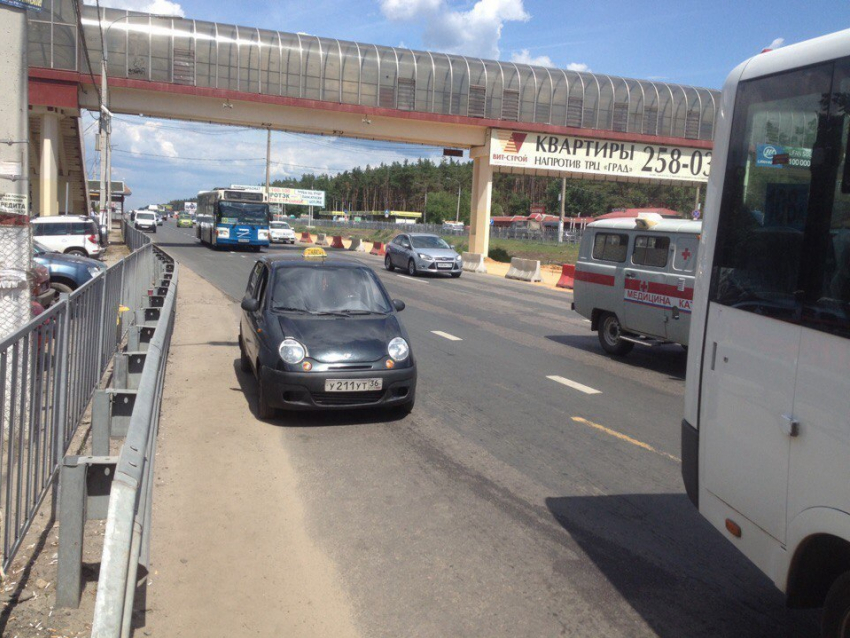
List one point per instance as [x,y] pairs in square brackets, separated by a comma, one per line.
[378,249]
[568,276]
[306,239]
[337,242]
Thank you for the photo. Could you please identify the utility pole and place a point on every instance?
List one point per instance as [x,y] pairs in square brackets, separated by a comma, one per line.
[457,214]
[104,128]
[15,233]
[563,199]
[425,208]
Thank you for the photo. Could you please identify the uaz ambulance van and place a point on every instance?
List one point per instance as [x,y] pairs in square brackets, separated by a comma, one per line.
[634,280]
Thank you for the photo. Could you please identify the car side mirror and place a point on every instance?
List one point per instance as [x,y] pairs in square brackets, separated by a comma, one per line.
[398,304]
[250,304]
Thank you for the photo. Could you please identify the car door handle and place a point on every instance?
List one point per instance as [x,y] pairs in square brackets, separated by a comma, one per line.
[790,425]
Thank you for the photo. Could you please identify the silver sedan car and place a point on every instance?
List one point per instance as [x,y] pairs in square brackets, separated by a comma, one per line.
[421,252]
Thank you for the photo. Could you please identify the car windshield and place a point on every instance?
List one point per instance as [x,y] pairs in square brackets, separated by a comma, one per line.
[243,213]
[279,225]
[39,248]
[328,289]
[429,241]
[148,216]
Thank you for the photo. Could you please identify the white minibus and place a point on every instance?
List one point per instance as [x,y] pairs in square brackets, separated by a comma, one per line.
[766,429]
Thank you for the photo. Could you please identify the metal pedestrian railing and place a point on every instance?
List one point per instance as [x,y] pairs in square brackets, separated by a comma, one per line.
[49,370]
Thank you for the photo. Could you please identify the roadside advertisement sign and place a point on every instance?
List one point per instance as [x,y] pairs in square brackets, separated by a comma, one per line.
[567,154]
[296,197]
[190,207]
[32,5]
[776,156]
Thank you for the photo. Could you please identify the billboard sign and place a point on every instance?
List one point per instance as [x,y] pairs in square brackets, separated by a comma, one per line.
[567,154]
[32,5]
[190,207]
[296,197]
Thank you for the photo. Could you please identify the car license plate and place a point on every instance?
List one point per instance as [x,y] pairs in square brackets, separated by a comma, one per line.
[244,241]
[353,385]
[444,266]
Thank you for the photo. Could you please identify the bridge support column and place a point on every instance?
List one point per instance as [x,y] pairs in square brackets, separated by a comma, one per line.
[482,190]
[49,169]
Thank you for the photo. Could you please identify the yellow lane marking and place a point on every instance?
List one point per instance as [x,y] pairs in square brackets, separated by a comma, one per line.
[624,437]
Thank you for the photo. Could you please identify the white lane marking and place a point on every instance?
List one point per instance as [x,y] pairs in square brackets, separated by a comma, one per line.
[418,281]
[574,385]
[446,335]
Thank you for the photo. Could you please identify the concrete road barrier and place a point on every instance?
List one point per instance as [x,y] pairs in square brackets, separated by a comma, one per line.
[378,249]
[322,240]
[474,262]
[357,245]
[337,242]
[568,277]
[524,270]
[306,239]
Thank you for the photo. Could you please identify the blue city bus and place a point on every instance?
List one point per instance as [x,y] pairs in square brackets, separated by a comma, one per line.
[233,217]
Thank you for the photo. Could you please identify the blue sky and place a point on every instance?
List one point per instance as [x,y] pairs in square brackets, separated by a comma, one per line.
[680,42]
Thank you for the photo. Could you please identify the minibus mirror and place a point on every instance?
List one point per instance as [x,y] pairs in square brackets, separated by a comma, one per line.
[676,313]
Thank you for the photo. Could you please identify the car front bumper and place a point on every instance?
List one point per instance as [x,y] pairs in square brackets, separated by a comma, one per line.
[432,266]
[306,390]
[282,239]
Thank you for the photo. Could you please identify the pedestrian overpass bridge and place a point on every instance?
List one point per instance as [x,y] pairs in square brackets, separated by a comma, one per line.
[201,71]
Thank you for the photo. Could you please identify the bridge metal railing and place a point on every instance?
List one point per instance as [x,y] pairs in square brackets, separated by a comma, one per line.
[295,65]
[49,370]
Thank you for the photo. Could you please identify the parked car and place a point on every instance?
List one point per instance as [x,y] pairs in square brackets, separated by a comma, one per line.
[323,334]
[66,272]
[281,233]
[42,293]
[145,220]
[70,234]
[420,252]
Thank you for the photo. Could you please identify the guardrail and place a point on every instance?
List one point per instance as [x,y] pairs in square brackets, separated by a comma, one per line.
[49,370]
[127,537]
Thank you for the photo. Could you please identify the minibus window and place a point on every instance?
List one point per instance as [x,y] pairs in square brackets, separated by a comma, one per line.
[651,250]
[610,247]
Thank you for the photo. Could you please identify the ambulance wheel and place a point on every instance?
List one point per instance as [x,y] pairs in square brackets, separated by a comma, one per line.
[835,622]
[611,336]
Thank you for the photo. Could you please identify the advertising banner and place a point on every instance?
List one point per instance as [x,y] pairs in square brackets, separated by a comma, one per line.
[579,155]
[296,197]
[190,207]
[32,5]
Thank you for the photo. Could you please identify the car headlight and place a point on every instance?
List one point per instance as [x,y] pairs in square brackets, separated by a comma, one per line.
[94,271]
[459,258]
[426,257]
[291,351]
[398,349]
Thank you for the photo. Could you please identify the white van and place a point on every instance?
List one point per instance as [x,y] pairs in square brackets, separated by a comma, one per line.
[634,280]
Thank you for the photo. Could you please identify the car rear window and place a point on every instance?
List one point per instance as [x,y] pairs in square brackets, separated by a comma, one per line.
[82,228]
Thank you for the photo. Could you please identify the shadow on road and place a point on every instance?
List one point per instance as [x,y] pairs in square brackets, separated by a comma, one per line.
[671,360]
[248,387]
[675,570]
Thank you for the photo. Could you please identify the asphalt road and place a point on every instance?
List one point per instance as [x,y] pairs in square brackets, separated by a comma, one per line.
[509,503]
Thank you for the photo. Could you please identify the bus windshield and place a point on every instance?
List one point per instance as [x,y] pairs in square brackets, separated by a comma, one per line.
[243,213]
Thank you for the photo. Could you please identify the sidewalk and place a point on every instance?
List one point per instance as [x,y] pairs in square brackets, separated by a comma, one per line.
[230,554]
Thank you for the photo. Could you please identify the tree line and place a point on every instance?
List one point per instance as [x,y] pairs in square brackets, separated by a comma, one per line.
[447,186]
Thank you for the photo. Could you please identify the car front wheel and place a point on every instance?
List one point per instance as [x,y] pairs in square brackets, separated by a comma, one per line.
[264,410]
[244,361]
[411,268]
[388,263]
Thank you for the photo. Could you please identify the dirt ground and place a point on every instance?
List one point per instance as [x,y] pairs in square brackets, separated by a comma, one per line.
[225,488]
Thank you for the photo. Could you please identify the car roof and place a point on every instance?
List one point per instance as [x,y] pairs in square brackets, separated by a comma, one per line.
[290,260]
[61,218]
[663,226]
[421,234]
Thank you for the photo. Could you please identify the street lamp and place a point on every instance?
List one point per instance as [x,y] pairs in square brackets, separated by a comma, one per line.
[105,127]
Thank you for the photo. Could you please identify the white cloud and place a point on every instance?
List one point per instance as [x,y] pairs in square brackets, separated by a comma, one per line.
[524,57]
[162,7]
[578,66]
[776,44]
[475,32]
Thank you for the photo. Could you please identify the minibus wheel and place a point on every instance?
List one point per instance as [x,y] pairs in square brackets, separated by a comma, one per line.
[836,609]
[610,335]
